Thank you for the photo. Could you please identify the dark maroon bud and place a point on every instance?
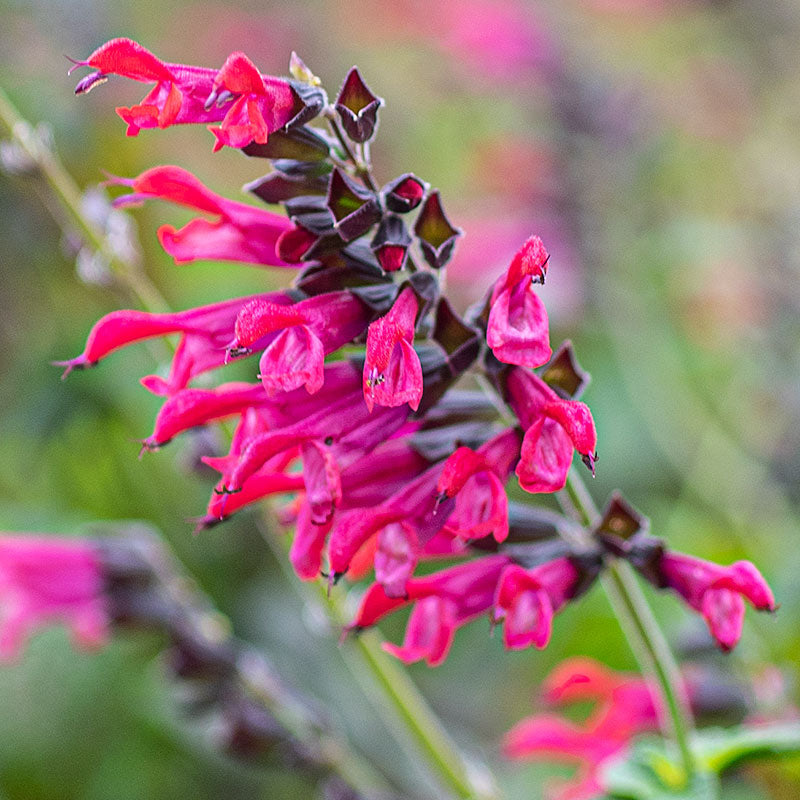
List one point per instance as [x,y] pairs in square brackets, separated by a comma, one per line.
[437,236]
[293,245]
[300,144]
[308,102]
[564,374]
[355,210]
[391,243]
[277,187]
[404,193]
[357,107]
[620,520]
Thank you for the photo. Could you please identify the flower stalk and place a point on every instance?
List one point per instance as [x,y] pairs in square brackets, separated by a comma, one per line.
[399,700]
[641,628]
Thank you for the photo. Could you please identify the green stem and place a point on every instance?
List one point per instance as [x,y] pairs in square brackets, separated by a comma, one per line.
[647,640]
[68,194]
[411,715]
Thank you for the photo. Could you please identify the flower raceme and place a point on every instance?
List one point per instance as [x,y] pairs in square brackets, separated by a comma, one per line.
[249,105]
[388,465]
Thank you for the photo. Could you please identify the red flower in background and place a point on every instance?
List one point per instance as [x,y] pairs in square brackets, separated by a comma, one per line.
[626,706]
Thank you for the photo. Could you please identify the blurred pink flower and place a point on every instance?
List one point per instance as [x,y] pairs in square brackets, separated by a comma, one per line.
[45,580]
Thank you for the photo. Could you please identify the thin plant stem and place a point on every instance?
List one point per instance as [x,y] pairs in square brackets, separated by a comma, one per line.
[410,715]
[66,191]
[363,169]
[644,634]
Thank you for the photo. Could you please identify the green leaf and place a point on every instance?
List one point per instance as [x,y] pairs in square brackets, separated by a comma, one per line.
[717,749]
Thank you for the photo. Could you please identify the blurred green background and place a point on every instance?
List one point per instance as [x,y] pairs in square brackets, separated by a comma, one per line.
[654,146]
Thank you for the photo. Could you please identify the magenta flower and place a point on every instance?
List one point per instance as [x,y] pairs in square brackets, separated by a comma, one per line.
[404,522]
[186,94]
[392,370]
[45,580]
[240,232]
[554,427]
[477,480]
[205,332]
[190,408]
[518,329]
[443,602]
[527,599]
[716,592]
[305,333]
[367,481]
[262,104]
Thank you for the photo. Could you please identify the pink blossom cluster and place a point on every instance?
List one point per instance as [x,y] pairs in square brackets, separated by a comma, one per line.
[390,456]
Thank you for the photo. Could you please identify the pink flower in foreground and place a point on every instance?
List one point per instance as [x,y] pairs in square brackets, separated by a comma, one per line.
[45,580]
[625,707]
[186,94]
[717,592]
[477,480]
[527,599]
[443,602]
[392,370]
[305,333]
[262,104]
[205,332]
[240,232]
[367,481]
[554,427]
[518,329]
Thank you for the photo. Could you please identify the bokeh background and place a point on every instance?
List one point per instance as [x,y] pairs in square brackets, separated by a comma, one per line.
[654,146]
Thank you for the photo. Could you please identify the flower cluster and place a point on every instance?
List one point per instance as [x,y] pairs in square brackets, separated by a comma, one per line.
[393,456]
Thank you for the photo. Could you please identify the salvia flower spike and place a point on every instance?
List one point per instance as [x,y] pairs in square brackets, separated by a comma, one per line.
[362,418]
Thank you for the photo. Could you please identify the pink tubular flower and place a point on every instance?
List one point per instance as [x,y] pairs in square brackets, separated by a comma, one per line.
[186,94]
[717,592]
[263,104]
[518,329]
[553,428]
[304,334]
[392,370]
[45,580]
[367,481]
[404,522]
[625,707]
[240,232]
[190,408]
[443,602]
[477,480]
[527,599]
[205,334]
